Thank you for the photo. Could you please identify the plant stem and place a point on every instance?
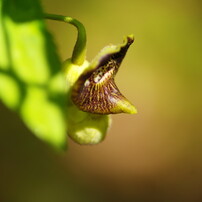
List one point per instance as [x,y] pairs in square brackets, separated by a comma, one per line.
[79,52]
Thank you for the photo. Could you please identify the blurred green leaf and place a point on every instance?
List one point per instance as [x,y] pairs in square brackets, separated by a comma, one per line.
[31,82]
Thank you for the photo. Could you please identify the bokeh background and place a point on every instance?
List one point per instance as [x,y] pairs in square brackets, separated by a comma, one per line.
[154,156]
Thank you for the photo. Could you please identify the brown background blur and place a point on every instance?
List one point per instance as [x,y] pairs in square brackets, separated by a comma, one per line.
[154,156]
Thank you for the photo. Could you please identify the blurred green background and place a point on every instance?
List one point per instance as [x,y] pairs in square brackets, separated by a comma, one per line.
[154,156]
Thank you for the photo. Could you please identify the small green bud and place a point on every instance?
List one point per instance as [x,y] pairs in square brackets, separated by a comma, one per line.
[87,128]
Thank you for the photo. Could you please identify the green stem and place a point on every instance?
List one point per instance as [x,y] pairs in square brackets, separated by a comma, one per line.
[79,52]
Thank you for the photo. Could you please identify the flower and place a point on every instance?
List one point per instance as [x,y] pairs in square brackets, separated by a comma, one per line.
[93,94]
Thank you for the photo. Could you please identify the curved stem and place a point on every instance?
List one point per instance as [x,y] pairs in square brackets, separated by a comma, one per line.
[79,52]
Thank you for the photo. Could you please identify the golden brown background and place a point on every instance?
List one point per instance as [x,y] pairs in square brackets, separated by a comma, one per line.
[154,156]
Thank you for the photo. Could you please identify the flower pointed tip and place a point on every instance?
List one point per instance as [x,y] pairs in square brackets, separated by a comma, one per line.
[133,110]
[126,107]
[131,36]
[129,39]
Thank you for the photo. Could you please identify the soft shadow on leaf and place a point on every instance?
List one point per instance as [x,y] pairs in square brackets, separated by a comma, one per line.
[31,81]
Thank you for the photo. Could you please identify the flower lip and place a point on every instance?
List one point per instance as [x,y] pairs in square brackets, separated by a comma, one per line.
[95,91]
[116,51]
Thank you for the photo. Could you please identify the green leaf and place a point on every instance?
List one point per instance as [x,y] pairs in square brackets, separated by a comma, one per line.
[31,81]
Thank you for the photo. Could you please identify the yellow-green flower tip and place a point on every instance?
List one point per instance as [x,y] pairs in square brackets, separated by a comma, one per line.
[124,106]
